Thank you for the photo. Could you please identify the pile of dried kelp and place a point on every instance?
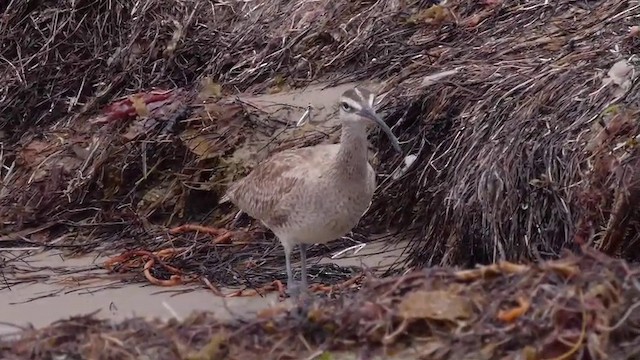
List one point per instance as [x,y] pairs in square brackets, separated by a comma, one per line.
[577,307]
[496,102]
[511,157]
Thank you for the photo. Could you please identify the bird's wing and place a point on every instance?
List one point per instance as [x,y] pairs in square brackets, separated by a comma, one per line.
[259,193]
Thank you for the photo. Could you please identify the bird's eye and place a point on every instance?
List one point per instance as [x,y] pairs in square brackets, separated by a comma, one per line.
[345,106]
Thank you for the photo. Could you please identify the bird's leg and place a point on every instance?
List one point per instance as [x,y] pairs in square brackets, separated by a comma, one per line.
[303,259]
[292,287]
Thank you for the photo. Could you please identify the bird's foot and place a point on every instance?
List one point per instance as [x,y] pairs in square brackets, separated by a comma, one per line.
[297,291]
[294,290]
[303,298]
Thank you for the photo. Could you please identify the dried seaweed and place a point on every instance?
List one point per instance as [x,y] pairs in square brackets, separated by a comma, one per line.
[581,306]
[495,100]
[501,159]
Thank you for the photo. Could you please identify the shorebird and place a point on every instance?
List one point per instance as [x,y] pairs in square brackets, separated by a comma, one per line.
[315,194]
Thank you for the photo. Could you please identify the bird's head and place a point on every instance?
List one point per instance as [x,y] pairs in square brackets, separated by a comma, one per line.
[357,107]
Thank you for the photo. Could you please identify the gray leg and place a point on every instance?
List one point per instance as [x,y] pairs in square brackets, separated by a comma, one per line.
[303,259]
[292,287]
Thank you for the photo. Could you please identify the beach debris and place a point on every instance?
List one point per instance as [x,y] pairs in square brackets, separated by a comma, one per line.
[435,312]
[116,143]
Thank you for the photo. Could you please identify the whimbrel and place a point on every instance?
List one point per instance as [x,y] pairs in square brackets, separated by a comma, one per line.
[315,194]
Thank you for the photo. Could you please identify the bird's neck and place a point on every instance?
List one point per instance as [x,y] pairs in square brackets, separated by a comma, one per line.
[352,157]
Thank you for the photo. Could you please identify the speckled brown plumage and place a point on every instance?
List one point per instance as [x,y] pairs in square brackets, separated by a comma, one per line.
[315,194]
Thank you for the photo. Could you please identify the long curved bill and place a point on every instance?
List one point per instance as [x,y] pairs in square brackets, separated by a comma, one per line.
[368,113]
